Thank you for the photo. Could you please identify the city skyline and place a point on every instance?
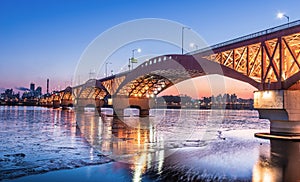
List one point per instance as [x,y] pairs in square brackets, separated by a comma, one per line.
[41,40]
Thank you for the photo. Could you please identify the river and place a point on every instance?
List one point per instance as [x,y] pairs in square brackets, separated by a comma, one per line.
[43,144]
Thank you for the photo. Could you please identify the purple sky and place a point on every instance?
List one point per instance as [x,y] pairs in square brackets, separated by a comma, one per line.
[45,39]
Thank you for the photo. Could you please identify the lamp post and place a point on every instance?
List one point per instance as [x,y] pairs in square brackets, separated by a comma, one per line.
[129,64]
[281,15]
[106,63]
[132,60]
[182,36]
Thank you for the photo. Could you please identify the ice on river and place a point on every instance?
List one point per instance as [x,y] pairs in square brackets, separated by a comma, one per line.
[36,140]
[190,142]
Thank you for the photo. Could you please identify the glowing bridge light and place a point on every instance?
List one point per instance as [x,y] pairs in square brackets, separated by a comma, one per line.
[267,95]
[280,15]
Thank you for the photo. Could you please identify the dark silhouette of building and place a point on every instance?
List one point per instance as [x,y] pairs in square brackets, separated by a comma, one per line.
[9,97]
[33,93]
[32,87]
[47,86]
[228,101]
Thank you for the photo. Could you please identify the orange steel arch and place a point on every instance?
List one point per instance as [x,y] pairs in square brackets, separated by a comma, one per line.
[152,77]
[269,59]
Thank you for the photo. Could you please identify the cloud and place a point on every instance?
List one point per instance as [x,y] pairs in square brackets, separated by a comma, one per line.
[22,89]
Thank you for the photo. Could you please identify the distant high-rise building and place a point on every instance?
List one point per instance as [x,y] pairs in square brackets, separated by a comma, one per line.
[32,87]
[47,86]
[38,91]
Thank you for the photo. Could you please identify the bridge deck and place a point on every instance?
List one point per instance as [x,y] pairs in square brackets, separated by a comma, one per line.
[247,37]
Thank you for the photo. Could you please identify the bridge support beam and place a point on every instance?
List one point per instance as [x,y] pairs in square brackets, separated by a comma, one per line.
[99,103]
[79,109]
[118,112]
[81,103]
[282,108]
[56,104]
[49,104]
[144,112]
[121,102]
[66,103]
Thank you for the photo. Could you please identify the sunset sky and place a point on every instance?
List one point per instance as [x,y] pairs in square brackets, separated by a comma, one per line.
[46,39]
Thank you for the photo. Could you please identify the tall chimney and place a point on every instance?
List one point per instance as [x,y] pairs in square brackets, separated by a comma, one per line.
[48,86]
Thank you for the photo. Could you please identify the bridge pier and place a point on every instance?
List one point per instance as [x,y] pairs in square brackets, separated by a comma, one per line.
[79,109]
[56,104]
[144,112]
[49,104]
[81,103]
[121,102]
[118,112]
[282,108]
[65,103]
[99,103]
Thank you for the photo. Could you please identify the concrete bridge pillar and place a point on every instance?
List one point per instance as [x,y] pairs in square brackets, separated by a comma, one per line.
[49,104]
[99,103]
[79,108]
[144,112]
[118,112]
[81,103]
[56,104]
[282,108]
[66,103]
[121,102]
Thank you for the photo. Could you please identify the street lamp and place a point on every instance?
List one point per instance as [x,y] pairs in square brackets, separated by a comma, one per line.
[281,15]
[182,36]
[132,59]
[106,63]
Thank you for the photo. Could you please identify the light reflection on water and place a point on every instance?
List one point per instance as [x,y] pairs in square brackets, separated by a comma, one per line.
[280,163]
[35,140]
[171,145]
[183,145]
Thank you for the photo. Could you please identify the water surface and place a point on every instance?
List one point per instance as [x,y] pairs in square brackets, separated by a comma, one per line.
[170,145]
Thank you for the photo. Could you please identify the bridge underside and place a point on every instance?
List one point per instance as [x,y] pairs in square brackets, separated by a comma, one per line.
[148,81]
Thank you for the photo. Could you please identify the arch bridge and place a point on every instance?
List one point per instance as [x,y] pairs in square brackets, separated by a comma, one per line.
[268,60]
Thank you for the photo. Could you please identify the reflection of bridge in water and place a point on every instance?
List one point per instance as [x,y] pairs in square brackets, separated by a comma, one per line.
[280,164]
[148,149]
[268,60]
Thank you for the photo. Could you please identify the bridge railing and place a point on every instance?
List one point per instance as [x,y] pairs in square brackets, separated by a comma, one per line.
[247,37]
